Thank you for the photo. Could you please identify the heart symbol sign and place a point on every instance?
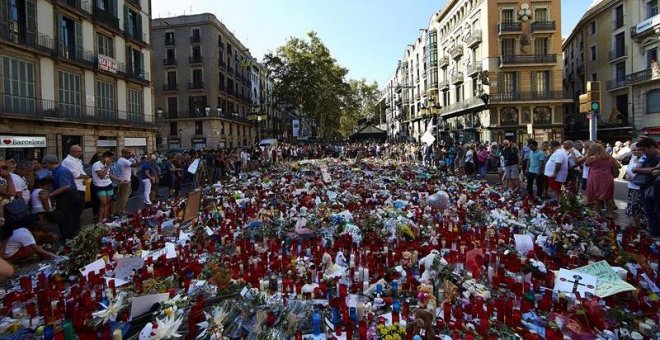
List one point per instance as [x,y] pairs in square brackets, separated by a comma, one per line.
[6,141]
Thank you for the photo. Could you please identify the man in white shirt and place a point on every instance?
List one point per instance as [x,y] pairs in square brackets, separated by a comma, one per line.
[74,164]
[125,163]
[556,169]
[23,170]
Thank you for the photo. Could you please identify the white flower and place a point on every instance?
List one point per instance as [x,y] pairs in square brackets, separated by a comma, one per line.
[109,313]
[167,328]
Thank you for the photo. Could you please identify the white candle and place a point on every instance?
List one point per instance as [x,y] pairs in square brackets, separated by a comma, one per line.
[356,276]
[365,286]
[279,285]
[366,275]
[385,249]
[351,261]
[361,274]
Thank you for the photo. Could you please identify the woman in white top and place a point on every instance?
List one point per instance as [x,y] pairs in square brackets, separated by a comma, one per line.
[469,160]
[41,197]
[634,206]
[103,183]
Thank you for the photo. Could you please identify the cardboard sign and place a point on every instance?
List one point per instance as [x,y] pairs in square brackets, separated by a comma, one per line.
[572,281]
[192,206]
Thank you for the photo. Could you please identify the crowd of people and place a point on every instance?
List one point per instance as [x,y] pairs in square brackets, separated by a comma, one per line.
[43,201]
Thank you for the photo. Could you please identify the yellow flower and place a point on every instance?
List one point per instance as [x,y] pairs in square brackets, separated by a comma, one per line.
[388,337]
[397,337]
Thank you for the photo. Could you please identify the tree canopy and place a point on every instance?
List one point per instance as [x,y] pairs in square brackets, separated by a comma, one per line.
[310,82]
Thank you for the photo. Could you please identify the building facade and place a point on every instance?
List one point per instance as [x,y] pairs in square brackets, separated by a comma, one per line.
[204,84]
[615,42]
[75,72]
[506,50]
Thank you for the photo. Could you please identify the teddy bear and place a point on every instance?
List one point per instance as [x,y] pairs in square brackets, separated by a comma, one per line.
[427,299]
[423,324]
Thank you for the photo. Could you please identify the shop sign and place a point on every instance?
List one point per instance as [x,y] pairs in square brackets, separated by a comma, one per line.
[106,142]
[135,141]
[647,24]
[107,64]
[651,131]
[7,142]
[509,134]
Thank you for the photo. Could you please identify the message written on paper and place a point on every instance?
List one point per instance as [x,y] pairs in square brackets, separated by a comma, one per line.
[609,282]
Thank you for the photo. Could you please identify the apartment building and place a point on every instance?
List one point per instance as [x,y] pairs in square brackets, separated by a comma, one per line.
[506,50]
[616,42]
[203,82]
[75,72]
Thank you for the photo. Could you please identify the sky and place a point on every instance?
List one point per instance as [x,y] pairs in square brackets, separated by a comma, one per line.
[367,37]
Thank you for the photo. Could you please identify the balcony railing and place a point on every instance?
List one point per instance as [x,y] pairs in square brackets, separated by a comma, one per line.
[75,54]
[543,26]
[645,27]
[222,64]
[511,27]
[469,103]
[84,7]
[528,96]
[474,38]
[633,78]
[196,85]
[170,87]
[443,84]
[615,84]
[169,61]
[19,36]
[617,53]
[50,110]
[136,73]
[196,59]
[195,39]
[456,51]
[457,78]
[213,113]
[140,37]
[230,70]
[443,61]
[528,59]
[473,69]
[106,18]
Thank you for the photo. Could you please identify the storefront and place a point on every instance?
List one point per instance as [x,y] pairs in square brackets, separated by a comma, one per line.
[104,144]
[67,142]
[137,144]
[22,147]
[198,143]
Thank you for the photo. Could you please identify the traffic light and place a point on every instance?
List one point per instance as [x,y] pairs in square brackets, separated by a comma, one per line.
[590,101]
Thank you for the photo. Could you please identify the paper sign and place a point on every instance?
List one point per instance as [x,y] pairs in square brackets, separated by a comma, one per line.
[326,175]
[650,283]
[118,282]
[609,282]
[126,266]
[193,166]
[573,281]
[142,304]
[428,138]
[524,243]
[170,250]
[95,267]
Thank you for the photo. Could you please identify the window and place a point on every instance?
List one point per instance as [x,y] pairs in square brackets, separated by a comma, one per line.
[541,45]
[445,98]
[592,28]
[171,79]
[18,79]
[475,87]
[508,46]
[593,50]
[170,54]
[69,38]
[197,77]
[134,105]
[618,16]
[651,57]
[541,14]
[620,71]
[132,23]
[103,5]
[459,93]
[541,81]
[174,131]
[135,61]
[196,51]
[594,77]
[651,8]
[507,16]
[509,82]
[221,77]
[229,51]
[653,101]
[619,45]
[195,32]
[197,105]
[105,99]
[172,107]
[169,38]
[70,94]
[222,128]
[105,45]
[199,128]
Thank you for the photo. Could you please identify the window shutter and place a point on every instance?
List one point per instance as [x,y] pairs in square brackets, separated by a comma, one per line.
[79,44]
[129,59]
[139,26]
[113,7]
[127,24]
[31,13]
[4,14]
[534,85]
[60,36]
[141,63]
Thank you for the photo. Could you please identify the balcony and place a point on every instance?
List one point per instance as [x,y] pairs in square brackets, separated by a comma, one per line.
[529,96]
[106,18]
[213,113]
[230,70]
[169,61]
[543,26]
[75,54]
[617,53]
[170,41]
[443,62]
[462,106]
[511,27]
[170,87]
[136,73]
[456,51]
[19,36]
[474,39]
[443,84]
[137,36]
[457,78]
[82,7]
[615,84]
[473,69]
[507,60]
[222,64]
[196,59]
[633,78]
[35,108]
[196,85]
[645,28]
[195,39]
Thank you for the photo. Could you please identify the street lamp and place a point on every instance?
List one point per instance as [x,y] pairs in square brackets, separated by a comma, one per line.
[219,109]
[207,111]
[159,112]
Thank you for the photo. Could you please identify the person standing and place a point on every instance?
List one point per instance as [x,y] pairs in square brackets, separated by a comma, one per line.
[600,184]
[124,164]
[19,177]
[556,169]
[68,204]
[103,184]
[147,177]
[511,157]
[648,183]
[535,158]
[635,203]
[74,164]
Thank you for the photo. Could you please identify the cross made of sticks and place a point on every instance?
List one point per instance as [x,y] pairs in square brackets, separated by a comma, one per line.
[576,282]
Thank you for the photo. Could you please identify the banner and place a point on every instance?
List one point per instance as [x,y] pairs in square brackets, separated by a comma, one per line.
[296,128]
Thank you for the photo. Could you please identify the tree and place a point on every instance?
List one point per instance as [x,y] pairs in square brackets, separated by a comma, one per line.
[360,106]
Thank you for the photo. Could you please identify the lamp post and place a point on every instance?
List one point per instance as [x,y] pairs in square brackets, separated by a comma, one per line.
[219,110]
[159,112]
[207,111]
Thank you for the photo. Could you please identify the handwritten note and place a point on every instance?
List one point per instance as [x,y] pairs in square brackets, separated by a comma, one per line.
[524,243]
[142,304]
[609,282]
[126,266]
[95,267]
